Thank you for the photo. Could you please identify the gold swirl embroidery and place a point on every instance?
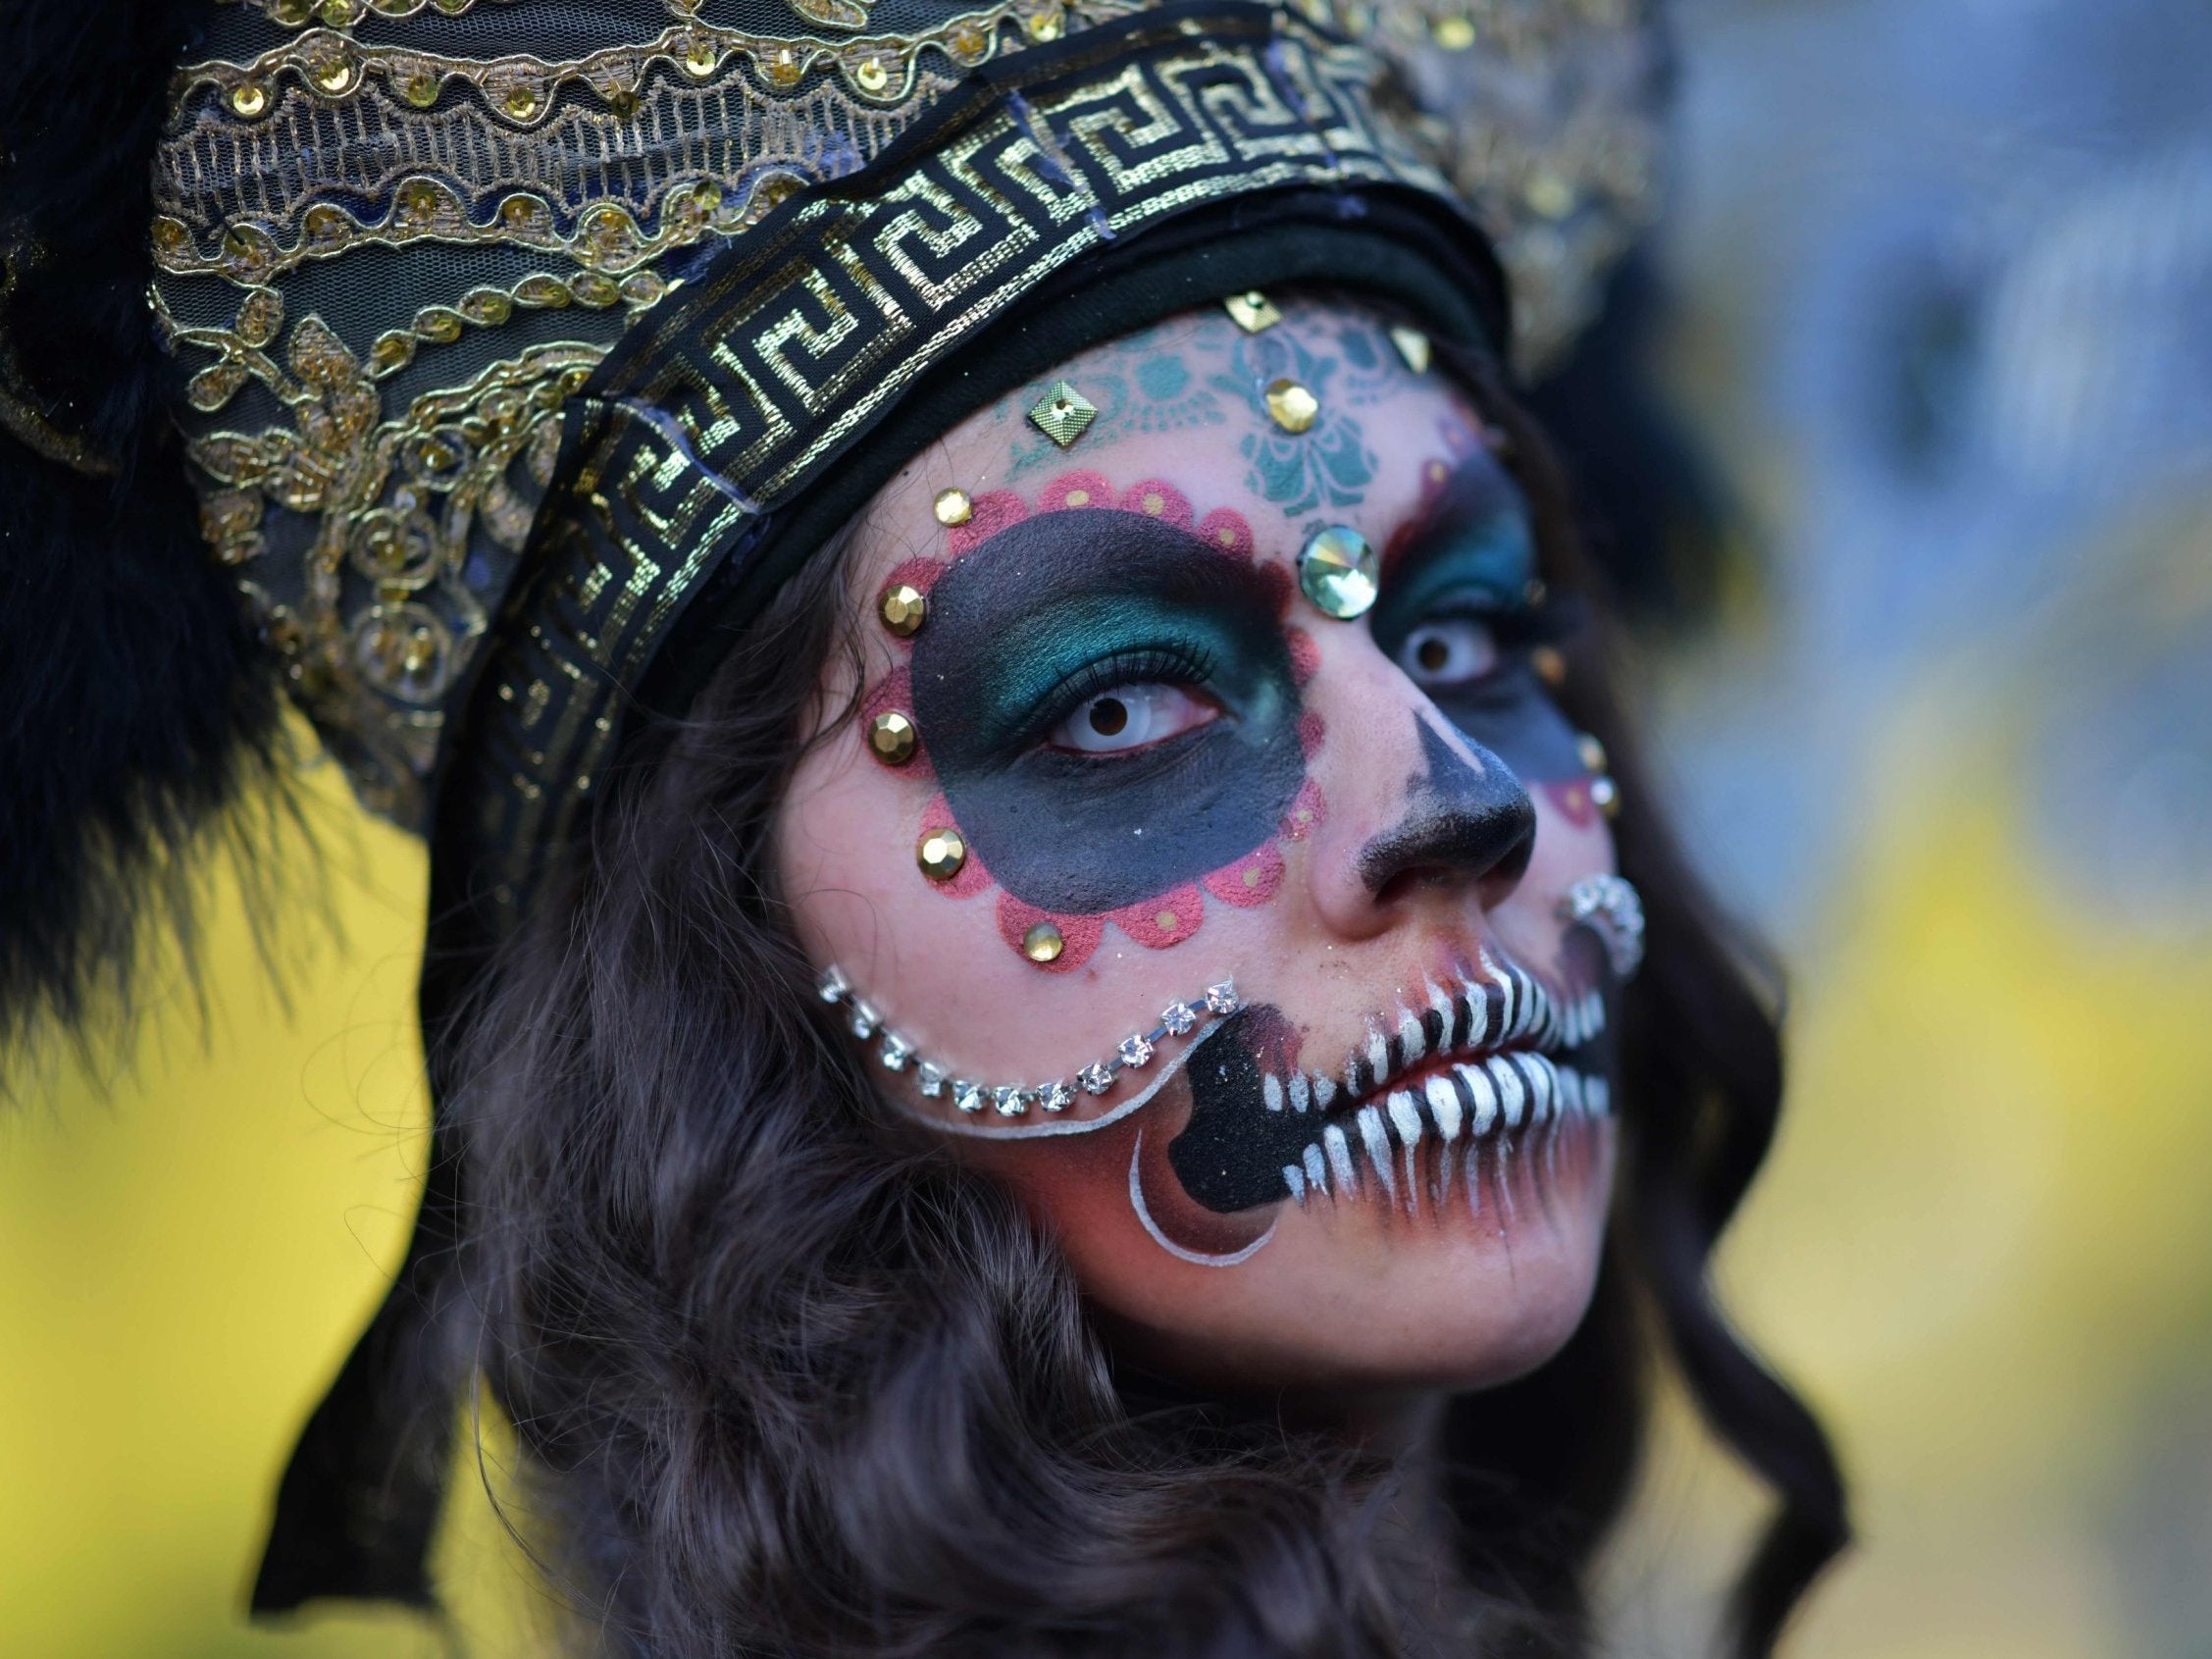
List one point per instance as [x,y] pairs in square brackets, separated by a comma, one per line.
[522,89]
[380,606]
[345,13]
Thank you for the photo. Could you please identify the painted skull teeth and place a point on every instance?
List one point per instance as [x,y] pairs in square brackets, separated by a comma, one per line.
[1448,1121]
[1491,1051]
[1135,1051]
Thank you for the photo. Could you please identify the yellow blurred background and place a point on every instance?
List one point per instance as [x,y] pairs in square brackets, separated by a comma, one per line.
[1942,268]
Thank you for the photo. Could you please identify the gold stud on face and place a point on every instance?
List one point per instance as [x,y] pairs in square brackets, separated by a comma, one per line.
[1062,413]
[1605,793]
[1591,751]
[1550,666]
[941,853]
[1043,943]
[1337,570]
[903,610]
[892,738]
[953,506]
[1292,407]
[1413,347]
[1252,311]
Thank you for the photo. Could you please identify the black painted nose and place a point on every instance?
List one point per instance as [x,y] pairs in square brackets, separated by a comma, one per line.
[1461,826]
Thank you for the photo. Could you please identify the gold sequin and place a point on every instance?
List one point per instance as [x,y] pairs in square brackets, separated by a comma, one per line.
[1252,311]
[1292,407]
[249,98]
[892,736]
[902,609]
[953,506]
[941,853]
[871,77]
[1043,943]
[1043,25]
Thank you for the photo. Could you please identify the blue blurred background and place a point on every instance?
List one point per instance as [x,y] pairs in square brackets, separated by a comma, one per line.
[1942,272]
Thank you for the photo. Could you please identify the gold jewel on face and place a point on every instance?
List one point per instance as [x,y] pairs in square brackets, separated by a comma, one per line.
[953,506]
[1550,666]
[1413,347]
[1292,407]
[903,607]
[1591,751]
[1043,943]
[941,853]
[1062,413]
[1605,793]
[892,736]
[1337,569]
[1252,311]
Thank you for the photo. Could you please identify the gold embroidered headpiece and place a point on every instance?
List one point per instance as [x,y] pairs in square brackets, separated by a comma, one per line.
[512,326]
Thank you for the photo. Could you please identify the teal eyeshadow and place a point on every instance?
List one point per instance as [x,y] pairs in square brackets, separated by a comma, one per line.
[1010,696]
[1486,566]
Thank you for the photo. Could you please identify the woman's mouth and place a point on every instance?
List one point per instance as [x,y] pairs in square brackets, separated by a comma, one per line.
[1482,1057]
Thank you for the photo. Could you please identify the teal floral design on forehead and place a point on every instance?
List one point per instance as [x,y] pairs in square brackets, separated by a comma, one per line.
[1329,463]
[1144,387]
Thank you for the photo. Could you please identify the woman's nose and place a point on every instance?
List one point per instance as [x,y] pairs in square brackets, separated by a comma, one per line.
[1429,817]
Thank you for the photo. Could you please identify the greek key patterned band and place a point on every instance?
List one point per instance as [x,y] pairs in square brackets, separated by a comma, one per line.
[724,406]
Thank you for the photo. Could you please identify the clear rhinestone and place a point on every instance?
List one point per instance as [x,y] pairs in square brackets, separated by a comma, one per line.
[1056,1095]
[968,1097]
[897,1051]
[1135,1049]
[1338,570]
[931,1077]
[1221,998]
[1011,1103]
[831,987]
[866,1019]
[1178,1017]
[1096,1078]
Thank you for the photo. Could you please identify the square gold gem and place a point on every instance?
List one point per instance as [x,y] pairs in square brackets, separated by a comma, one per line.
[1252,311]
[1062,413]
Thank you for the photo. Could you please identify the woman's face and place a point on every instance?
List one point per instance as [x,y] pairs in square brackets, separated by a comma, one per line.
[1138,746]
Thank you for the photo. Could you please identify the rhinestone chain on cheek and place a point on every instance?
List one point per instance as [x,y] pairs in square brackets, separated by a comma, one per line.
[1135,1052]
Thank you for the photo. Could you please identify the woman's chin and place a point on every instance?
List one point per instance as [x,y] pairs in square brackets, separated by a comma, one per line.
[1429,1284]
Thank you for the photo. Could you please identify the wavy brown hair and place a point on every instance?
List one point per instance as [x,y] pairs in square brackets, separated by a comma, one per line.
[791,1381]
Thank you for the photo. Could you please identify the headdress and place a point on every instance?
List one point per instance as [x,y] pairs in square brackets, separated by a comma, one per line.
[518,348]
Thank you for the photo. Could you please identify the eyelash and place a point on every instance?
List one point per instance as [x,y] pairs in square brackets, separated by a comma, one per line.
[1173,666]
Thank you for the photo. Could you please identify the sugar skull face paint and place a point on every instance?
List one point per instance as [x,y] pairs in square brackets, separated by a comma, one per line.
[1166,770]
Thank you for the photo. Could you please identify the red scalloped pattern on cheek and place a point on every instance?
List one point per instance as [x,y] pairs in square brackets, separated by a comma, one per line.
[1573,799]
[1251,880]
[896,690]
[973,877]
[1079,935]
[1170,918]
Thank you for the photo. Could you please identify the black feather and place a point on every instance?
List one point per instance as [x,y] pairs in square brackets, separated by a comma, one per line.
[136,699]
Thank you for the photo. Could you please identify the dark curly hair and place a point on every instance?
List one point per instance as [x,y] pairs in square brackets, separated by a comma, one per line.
[791,1381]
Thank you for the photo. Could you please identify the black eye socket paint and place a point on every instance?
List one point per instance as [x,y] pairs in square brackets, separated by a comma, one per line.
[1015,625]
[1472,553]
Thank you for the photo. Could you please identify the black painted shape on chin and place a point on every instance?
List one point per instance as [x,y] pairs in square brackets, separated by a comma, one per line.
[1231,1154]
[1458,820]
[1083,835]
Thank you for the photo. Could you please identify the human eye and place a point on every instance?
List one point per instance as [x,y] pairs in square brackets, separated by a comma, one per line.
[1131,701]
[1448,650]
